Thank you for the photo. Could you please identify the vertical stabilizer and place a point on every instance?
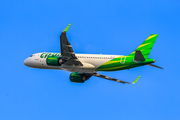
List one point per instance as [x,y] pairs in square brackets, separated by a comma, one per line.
[146,46]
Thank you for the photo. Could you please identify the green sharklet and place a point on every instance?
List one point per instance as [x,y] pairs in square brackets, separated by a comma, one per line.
[65,30]
[136,80]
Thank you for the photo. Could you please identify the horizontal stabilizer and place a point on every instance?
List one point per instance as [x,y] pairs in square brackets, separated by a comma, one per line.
[139,56]
[155,66]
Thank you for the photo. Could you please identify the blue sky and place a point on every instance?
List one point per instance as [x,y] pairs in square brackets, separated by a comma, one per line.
[98,26]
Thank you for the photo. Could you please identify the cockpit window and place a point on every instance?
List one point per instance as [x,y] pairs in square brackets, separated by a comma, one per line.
[30,55]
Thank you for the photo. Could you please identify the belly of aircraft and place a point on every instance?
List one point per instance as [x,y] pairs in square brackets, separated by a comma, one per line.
[86,68]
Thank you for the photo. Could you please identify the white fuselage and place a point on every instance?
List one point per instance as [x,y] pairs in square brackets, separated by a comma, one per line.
[90,62]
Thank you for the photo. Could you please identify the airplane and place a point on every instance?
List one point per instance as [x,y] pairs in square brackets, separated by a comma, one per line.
[84,66]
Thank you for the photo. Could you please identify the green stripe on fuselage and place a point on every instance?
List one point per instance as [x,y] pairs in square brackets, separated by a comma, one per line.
[117,64]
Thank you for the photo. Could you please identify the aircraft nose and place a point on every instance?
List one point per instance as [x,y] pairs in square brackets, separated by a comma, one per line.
[27,62]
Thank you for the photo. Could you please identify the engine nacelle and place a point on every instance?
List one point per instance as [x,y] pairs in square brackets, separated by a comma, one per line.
[79,77]
[54,60]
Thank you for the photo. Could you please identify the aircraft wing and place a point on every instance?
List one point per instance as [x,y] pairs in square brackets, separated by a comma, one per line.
[114,79]
[67,51]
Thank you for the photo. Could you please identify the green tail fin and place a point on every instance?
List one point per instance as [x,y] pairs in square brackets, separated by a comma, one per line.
[146,46]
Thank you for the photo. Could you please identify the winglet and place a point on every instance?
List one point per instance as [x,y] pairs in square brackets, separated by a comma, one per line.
[136,80]
[65,30]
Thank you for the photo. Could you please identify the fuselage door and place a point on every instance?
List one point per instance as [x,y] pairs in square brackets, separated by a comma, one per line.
[123,59]
[36,57]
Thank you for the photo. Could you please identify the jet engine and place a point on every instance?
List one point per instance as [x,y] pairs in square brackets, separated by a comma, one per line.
[55,60]
[79,77]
